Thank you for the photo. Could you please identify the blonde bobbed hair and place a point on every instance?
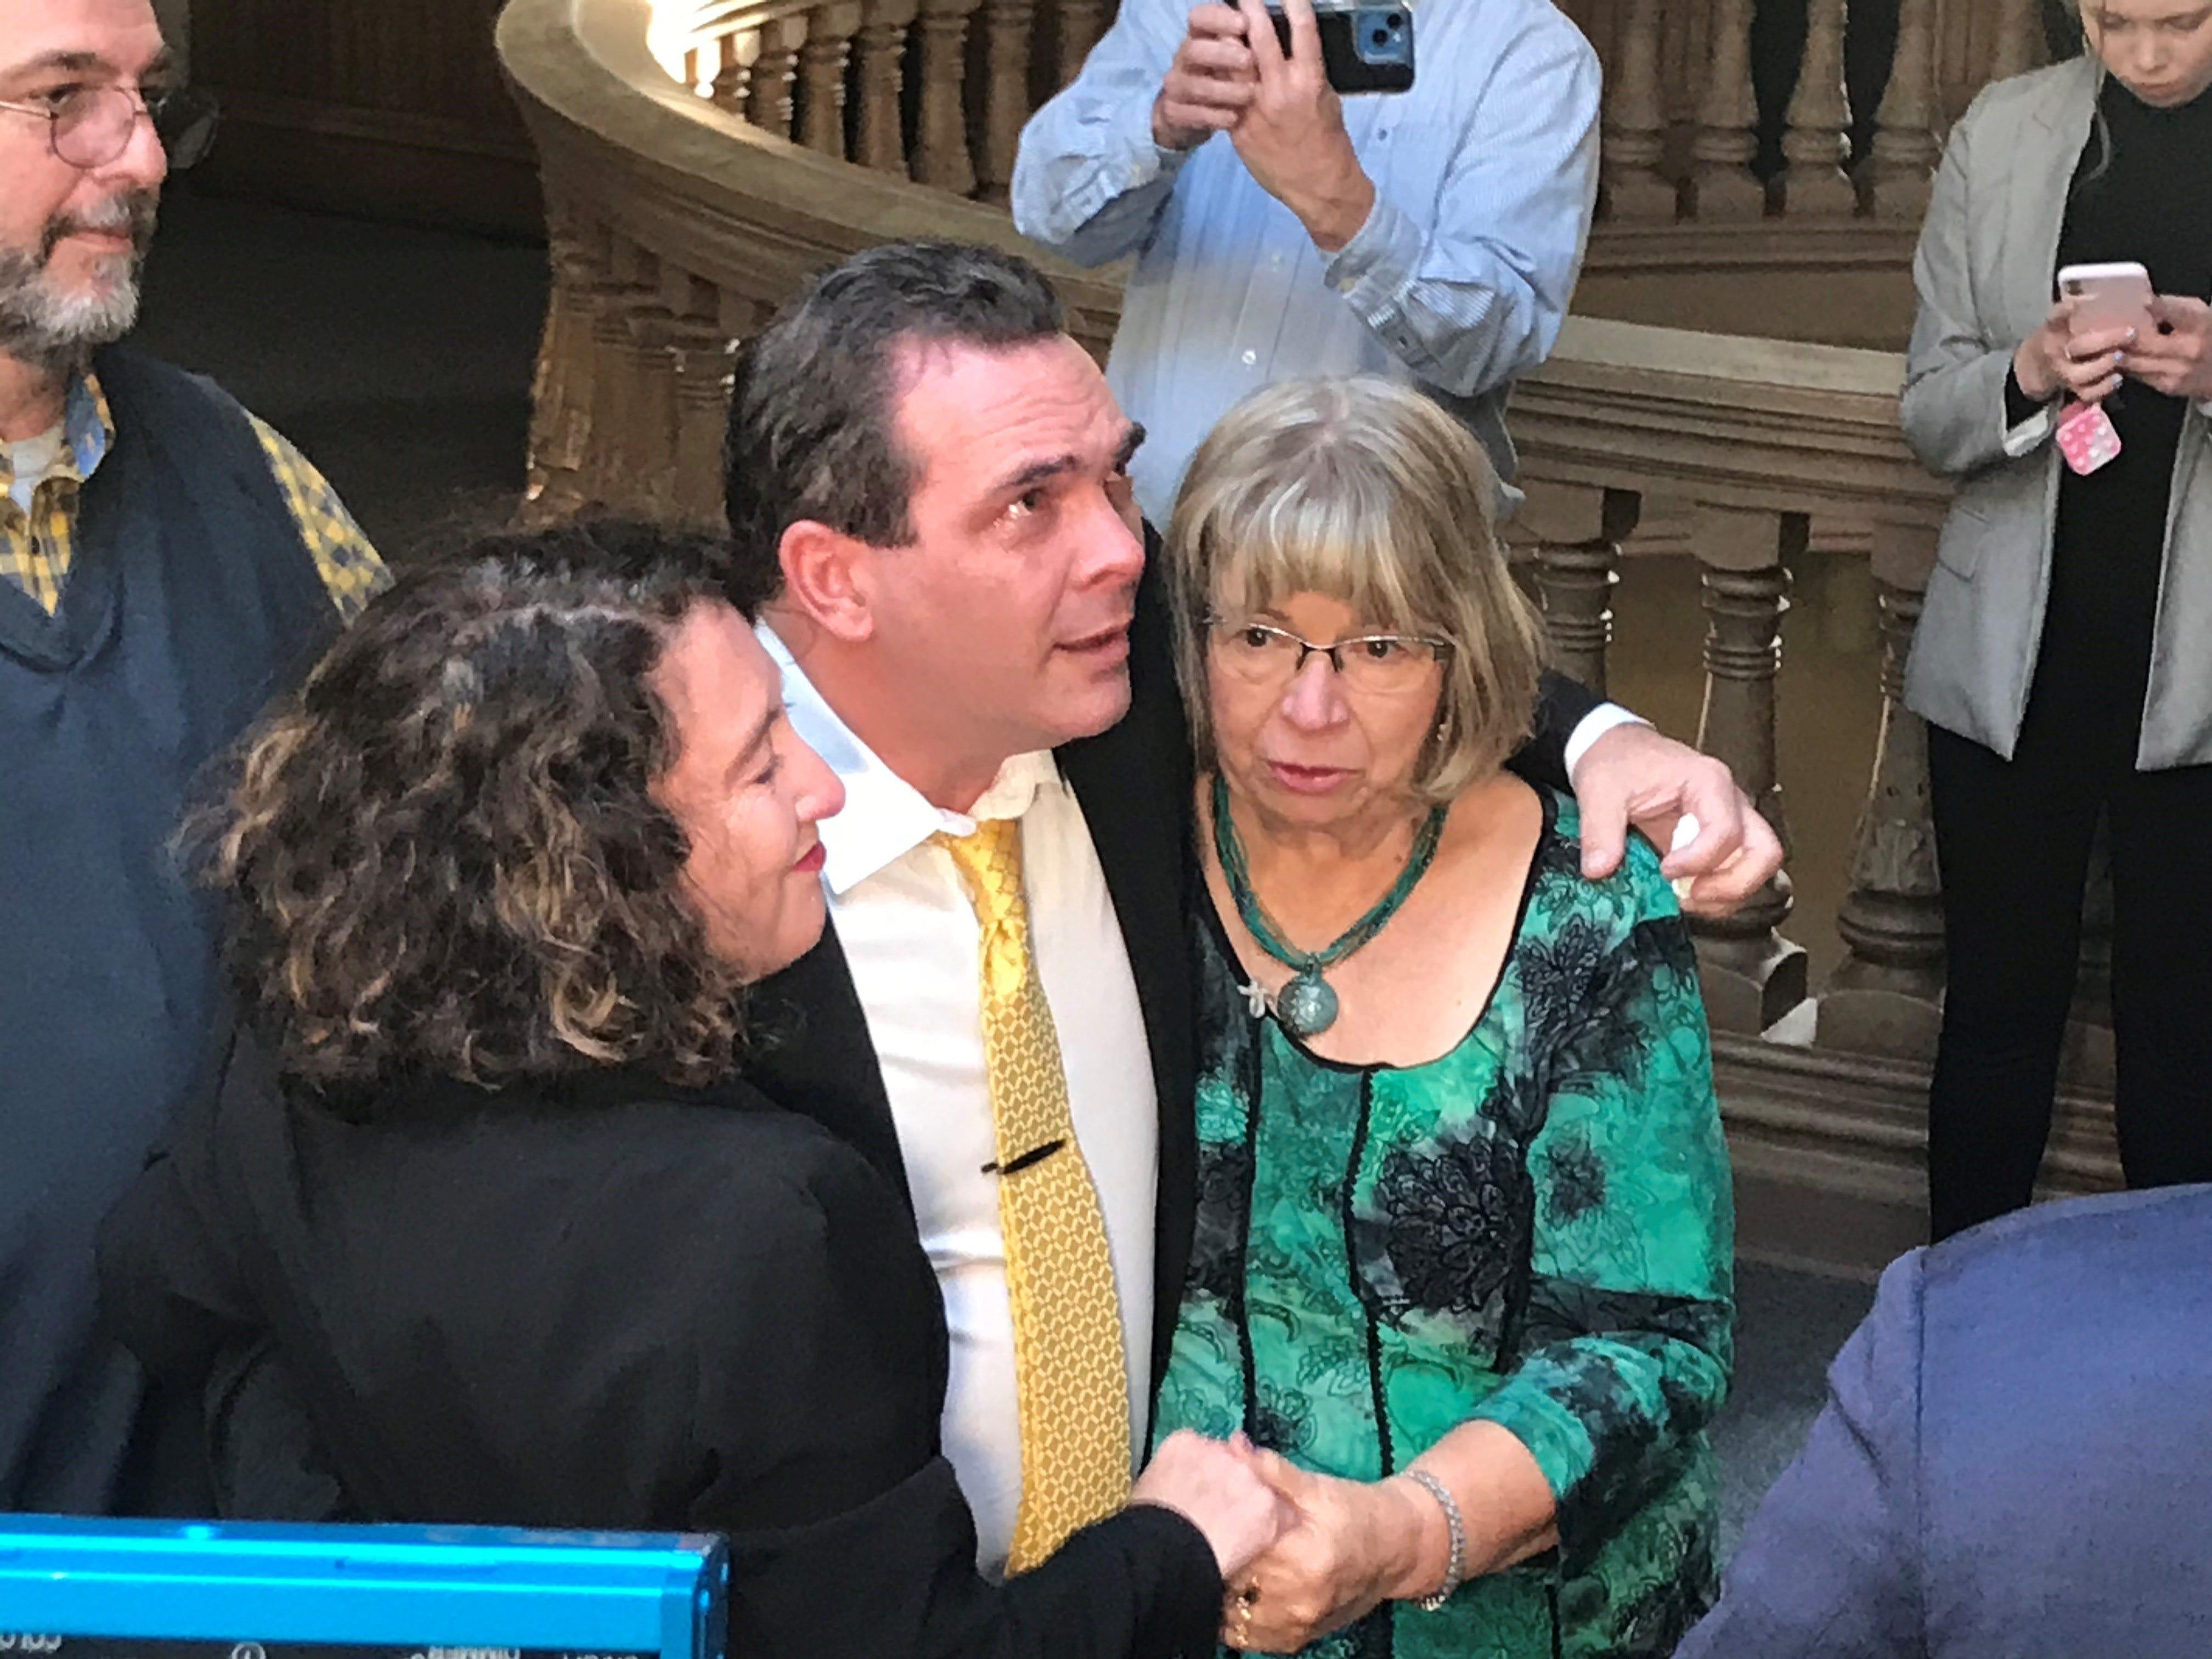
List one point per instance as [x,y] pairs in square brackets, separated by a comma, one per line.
[1366,491]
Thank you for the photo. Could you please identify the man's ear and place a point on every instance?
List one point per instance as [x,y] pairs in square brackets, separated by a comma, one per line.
[825,580]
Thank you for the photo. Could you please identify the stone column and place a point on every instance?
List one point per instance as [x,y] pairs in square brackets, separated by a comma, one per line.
[731,85]
[1577,532]
[1886,996]
[2016,50]
[822,61]
[941,156]
[1080,23]
[1007,32]
[879,138]
[1635,192]
[561,391]
[768,92]
[1815,185]
[1752,975]
[1901,171]
[1723,189]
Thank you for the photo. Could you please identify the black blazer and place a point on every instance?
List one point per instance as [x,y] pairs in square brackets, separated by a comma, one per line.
[604,1304]
[1134,784]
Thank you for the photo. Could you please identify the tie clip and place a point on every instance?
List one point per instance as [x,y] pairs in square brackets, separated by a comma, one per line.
[1035,1155]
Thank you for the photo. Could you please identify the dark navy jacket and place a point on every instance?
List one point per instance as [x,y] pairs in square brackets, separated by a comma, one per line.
[190,601]
[2015,1460]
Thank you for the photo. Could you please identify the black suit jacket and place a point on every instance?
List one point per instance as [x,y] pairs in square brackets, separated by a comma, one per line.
[1134,784]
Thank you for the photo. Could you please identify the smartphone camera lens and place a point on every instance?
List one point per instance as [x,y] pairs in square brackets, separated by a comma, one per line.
[1395,22]
[1382,37]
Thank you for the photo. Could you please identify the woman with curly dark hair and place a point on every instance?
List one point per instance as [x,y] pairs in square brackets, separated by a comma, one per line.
[476,1220]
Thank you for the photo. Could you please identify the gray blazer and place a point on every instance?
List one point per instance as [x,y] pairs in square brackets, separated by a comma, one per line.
[1985,273]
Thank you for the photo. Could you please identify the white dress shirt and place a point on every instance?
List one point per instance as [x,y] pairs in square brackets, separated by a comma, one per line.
[912,941]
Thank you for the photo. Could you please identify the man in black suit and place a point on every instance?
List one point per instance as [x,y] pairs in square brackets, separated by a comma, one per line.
[2012,1461]
[971,635]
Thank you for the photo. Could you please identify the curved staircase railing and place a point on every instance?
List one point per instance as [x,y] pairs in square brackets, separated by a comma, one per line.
[678,222]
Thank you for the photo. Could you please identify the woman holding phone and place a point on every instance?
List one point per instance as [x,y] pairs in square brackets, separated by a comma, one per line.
[2064,656]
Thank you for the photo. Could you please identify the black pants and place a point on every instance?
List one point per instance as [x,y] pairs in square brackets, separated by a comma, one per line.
[2013,838]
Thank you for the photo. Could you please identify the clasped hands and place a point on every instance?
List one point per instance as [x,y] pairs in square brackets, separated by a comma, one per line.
[2176,358]
[1231,75]
[1303,1554]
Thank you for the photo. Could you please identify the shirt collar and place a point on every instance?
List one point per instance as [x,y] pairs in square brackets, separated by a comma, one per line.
[88,433]
[886,817]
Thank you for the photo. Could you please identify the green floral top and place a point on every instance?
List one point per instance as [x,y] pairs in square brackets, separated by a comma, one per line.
[1536,1229]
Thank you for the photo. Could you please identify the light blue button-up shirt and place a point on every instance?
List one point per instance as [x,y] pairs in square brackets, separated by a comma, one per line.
[1485,176]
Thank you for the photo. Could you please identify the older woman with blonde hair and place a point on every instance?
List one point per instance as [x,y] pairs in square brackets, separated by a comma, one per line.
[1463,1276]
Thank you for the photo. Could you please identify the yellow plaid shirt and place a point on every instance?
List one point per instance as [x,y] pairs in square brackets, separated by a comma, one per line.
[37,548]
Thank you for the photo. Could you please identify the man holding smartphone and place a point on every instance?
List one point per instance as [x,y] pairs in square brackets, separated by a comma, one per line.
[1280,229]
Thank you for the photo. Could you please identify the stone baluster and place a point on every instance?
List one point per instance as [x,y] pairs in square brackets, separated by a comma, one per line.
[1887,996]
[652,439]
[2014,50]
[1901,171]
[941,155]
[822,62]
[1815,185]
[701,346]
[1577,532]
[1635,192]
[733,72]
[1008,29]
[1724,191]
[1080,23]
[879,79]
[1752,975]
[767,95]
[561,400]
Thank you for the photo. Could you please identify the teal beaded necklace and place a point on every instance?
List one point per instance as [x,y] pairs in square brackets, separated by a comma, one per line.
[1306,1006]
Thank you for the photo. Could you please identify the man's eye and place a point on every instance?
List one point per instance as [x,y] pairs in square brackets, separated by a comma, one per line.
[58,99]
[1028,503]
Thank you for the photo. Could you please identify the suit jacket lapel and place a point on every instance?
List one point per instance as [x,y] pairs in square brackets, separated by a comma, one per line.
[814,1055]
[2040,181]
[1133,783]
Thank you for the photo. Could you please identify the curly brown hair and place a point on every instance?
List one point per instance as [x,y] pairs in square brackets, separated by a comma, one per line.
[445,853]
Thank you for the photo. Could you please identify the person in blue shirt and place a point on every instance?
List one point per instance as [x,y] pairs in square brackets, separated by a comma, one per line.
[1280,231]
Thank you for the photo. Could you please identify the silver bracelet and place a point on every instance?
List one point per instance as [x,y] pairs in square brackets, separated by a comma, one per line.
[1455,1568]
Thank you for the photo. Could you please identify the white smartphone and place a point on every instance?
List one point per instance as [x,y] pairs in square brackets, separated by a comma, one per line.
[2116,296]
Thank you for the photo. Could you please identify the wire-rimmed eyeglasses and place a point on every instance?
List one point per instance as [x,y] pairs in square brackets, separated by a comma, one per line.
[90,126]
[1263,654]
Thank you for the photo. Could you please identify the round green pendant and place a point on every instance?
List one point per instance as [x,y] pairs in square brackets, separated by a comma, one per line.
[1306,1006]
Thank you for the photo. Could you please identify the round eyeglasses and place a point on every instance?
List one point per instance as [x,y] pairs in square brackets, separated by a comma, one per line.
[1383,664]
[90,126]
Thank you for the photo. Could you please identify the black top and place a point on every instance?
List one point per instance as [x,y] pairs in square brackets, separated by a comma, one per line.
[2145,196]
[608,1303]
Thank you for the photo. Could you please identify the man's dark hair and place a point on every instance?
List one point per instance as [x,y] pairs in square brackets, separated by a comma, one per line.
[811,431]
[444,850]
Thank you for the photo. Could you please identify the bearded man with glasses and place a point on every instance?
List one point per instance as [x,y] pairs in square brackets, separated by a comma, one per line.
[168,563]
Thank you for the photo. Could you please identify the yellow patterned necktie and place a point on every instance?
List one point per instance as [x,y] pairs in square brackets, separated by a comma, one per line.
[1070,1368]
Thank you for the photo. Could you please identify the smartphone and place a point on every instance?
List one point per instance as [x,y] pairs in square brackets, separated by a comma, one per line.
[2109,296]
[1363,48]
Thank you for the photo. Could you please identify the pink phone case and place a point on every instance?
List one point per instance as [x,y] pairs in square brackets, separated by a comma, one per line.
[2086,438]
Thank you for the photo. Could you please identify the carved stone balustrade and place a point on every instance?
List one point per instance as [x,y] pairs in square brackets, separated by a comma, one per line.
[679,220]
